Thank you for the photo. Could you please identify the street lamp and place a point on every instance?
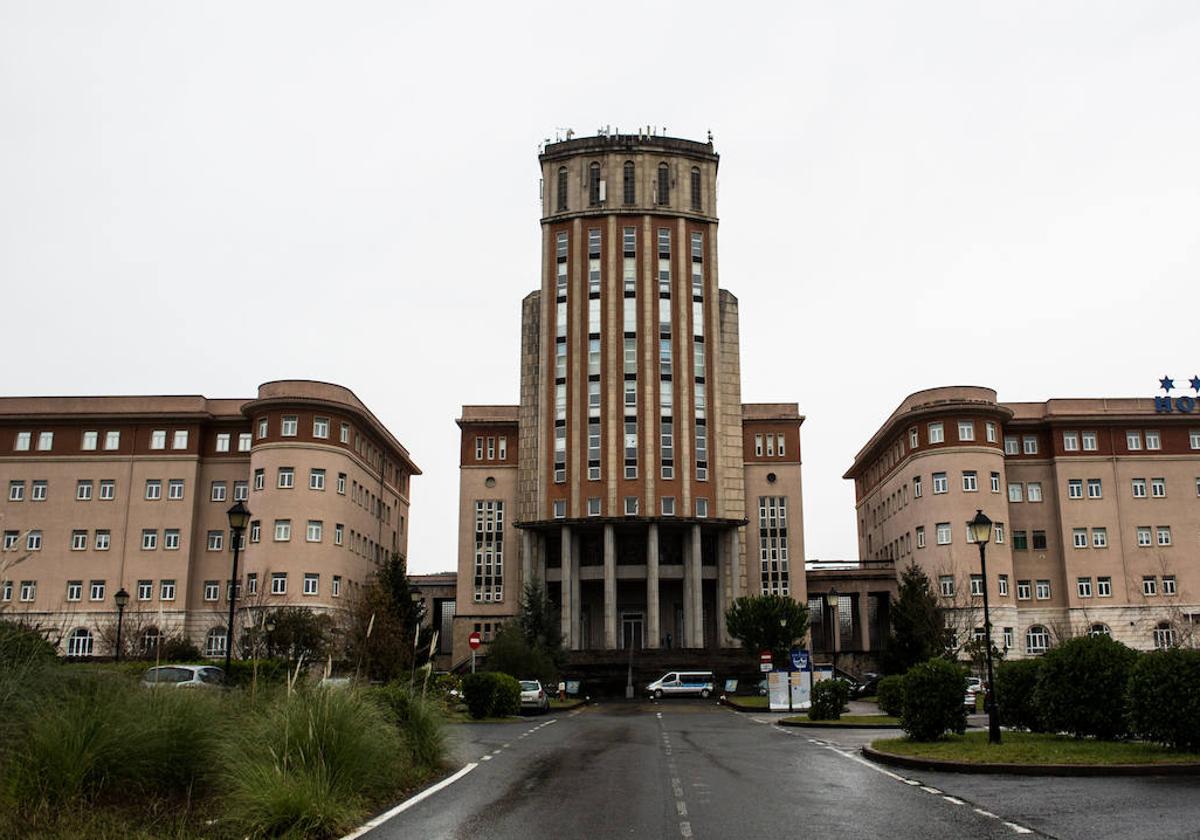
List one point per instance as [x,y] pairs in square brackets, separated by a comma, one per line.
[980,529]
[832,601]
[122,599]
[239,517]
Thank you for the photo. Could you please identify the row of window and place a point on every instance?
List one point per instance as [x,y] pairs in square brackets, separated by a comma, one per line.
[496,448]
[632,507]
[90,440]
[144,591]
[85,490]
[598,187]
[770,445]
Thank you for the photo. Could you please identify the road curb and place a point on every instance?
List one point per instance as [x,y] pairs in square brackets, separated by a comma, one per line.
[578,704]
[943,766]
[821,724]
[738,707]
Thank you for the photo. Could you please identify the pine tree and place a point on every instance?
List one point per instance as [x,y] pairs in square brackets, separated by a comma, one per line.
[918,629]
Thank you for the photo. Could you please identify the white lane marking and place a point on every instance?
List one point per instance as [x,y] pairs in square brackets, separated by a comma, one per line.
[929,789]
[408,803]
[984,813]
[1019,829]
[486,758]
[953,801]
[681,807]
[685,829]
[677,788]
[506,746]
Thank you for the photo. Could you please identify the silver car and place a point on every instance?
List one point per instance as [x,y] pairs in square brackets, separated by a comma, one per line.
[533,697]
[184,676]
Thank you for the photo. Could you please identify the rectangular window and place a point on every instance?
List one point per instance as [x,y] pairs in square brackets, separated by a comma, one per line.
[560,508]
[943,533]
[316,479]
[593,506]
[995,482]
[103,540]
[1194,438]
[998,533]
[287,478]
[913,438]
[976,586]
[312,583]
[1153,440]
[1034,491]
[256,531]
[1133,441]
[702,508]
[260,478]
[96,590]
[1094,488]
[1020,540]
[775,564]
[241,491]
[1083,586]
[22,442]
[916,486]
[171,539]
[920,536]
[321,427]
[33,541]
[1104,587]
[1145,536]
[668,505]
[90,439]
[341,484]
[38,491]
[1070,441]
[153,489]
[1139,488]
[149,539]
[946,586]
[180,440]
[1039,540]
[1158,488]
[1149,586]
[145,590]
[313,532]
[216,540]
[1080,537]
[1011,445]
[112,440]
[1075,488]
[1002,585]
[218,491]
[990,431]
[79,540]
[1099,538]
[336,589]
[1043,590]
[1163,532]
[970,481]
[631,505]
[283,530]
[223,441]
[212,590]
[28,590]
[16,491]
[166,590]
[339,531]
[940,484]
[244,441]
[1168,585]
[1089,441]
[83,490]
[289,425]
[488,578]
[936,433]
[278,583]
[966,430]
[158,439]
[1029,444]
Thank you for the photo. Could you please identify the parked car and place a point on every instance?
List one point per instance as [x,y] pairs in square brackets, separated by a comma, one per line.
[679,683]
[869,686]
[974,689]
[533,696]
[184,676]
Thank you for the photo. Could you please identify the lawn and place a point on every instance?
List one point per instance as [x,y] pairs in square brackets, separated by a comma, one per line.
[1032,748]
[752,701]
[848,720]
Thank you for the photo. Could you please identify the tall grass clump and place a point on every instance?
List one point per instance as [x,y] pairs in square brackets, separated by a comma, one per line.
[310,763]
[418,721]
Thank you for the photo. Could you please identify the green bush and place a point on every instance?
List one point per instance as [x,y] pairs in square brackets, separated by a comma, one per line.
[310,764]
[1081,689]
[508,695]
[479,693]
[417,720]
[21,645]
[933,700]
[890,695]
[510,653]
[178,649]
[828,698]
[1016,684]
[1163,698]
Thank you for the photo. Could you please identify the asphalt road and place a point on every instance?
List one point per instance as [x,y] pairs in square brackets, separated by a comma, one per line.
[692,769]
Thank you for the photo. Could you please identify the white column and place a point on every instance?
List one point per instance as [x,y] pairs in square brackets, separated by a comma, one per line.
[735,565]
[685,632]
[578,643]
[568,602]
[722,589]
[694,572]
[652,624]
[526,558]
[610,588]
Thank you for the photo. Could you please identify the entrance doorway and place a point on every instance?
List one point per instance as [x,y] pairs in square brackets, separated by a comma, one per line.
[632,631]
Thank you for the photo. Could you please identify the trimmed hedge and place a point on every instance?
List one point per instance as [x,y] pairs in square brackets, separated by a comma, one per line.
[828,698]
[890,695]
[489,694]
[933,700]
[1163,698]
[1081,689]
[1016,683]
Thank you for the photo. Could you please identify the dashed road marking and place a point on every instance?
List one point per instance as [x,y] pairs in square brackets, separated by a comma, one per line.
[685,829]
[953,801]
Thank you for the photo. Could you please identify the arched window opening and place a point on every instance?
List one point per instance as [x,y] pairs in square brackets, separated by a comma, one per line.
[1037,640]
[664,184]
[630,187]
[594,184]
[697,204]
[214,642]
[562,188]
[80,642]
[1164,636]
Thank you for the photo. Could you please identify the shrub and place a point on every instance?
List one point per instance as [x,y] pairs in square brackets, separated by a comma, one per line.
[1081,689]
[416,719]
[510,653]
[479,693]
[933,700]
[890,695]
[310,763]
[1163,698]
[21,645]
[828,698]
[508,695]
[1016,682]
[178,649]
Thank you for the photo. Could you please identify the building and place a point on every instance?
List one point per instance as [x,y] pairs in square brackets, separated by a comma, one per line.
[110,493]
[437,593]
[631,477]
[1096,504]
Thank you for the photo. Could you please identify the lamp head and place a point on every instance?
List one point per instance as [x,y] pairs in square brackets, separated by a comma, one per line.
[981,528]
[122,598]
[239,516]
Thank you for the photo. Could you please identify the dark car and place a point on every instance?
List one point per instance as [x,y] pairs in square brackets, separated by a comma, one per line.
[869,686]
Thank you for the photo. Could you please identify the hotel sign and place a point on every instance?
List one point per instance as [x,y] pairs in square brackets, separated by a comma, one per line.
[1184,404]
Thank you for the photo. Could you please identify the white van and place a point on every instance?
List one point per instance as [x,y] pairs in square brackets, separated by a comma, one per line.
[678,683]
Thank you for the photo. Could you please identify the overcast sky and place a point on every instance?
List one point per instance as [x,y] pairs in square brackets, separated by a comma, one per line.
[198,197]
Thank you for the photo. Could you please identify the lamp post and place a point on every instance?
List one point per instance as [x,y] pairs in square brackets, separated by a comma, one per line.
[981,531]
[122,599]
[832,600]
[239,516]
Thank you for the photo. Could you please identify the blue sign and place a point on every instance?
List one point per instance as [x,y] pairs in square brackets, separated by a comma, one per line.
[1184,405]
[801,660]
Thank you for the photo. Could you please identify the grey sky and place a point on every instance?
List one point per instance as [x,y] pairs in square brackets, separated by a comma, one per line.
[198,197]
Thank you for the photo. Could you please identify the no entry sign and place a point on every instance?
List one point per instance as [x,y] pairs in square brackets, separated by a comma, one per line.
[475,640]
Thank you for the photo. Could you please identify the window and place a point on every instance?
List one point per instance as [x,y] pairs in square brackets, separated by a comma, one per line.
[1020,540]
[175,489]
[668,505]
[916,487]
[321,427]
[774,562]
[214,642]
[212,590]
[171,539]
[216,540]
[1104,587]
[278,583]
[976,586]
[1153,440]
[283,530]
[936,433]
[90,439]
[628,183]
[244,441]
[1002,585]
[241,491]
[217,493]
[560,508]
[1149,586]
[10,539]
[149,539]
[1099,538]
[312,583]
[1042,590]
[1194,438]
[1099,630]
[1164,636]
[940,484]
[28,590]
[289,425]
[158,439]
[79,540]
[338,533]
[593,506]
[1016,491]
[1095,489]
[1168,585]
[489,551]
[83,490]
[966,430]
[1023,590]
[1139,488]
[166,590]
[38,491]
[1029,444]
[701,508]
[920,536]
[223,442]
[1158,488]
[96,591]
[262,427]
[112,440]
[1008,638]
[103,539]
[696,199]
[970,481]
[1163,532]
[336,589]
[313,532]
[995,482]
[1133,441]
[180,440]
[561,189]
[1075,488]
[913,438]
[1089,441]
[1070,441]
[998,533]
[74,590]
[145,590]
[1144,536]
[1033,491]
[943,533]
[664,184]
[80,642]
[631,505]
[341,484]
[260,478]
[153,489]
[946,586]
[287,478]
[1037,640]
[16,491]
[21,444]
[1080,537]
[990,431]
[316,479]
[1011,445]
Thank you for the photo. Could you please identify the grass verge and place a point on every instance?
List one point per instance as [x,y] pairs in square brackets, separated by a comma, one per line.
[1033,748]
[847,720]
